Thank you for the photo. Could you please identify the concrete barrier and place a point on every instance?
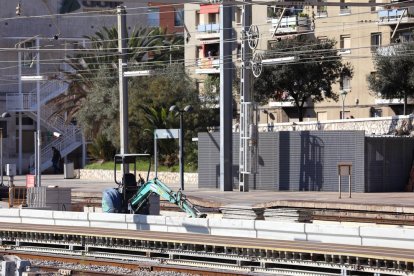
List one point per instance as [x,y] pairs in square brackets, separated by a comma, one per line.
[333,234]
[151,223]
[187,225]
[288,231]
[71,219]
[104,220]
[33,216]
[10,215]
[232,227]
[392,236]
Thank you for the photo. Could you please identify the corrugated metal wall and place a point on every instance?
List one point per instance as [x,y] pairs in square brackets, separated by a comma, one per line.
[291,161]
[388,162]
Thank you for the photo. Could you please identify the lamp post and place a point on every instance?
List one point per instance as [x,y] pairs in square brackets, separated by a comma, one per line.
[4,115]
[188,108]
[343,96]
[272,117]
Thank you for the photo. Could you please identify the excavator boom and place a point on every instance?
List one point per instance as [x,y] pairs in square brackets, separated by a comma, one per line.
[158,187]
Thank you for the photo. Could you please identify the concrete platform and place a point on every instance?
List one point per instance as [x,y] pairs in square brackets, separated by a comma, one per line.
[402,203]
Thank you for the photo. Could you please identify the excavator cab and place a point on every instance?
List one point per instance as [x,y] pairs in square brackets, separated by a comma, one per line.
[129,182]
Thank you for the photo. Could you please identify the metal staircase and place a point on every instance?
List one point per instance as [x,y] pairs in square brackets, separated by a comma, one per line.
[71,135]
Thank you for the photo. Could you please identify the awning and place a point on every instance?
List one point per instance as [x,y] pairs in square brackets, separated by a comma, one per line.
[204,9]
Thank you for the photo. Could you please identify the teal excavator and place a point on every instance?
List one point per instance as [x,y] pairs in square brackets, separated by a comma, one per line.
[132,196]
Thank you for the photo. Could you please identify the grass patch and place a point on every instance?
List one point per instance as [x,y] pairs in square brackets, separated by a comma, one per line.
[141,166]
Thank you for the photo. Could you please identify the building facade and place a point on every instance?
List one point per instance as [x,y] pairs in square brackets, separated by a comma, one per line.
[359,33]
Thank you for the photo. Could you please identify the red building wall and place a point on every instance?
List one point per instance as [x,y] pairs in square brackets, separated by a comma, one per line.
[167,16]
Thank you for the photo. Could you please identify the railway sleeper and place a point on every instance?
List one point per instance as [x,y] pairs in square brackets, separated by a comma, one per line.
[256,258]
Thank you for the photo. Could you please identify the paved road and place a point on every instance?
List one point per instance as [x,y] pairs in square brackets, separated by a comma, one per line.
[393,202]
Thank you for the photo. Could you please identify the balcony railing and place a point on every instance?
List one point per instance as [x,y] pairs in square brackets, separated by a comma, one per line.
[393,16]
[321,13]
[208,66]
[208,28]
[291,24]
[344,11]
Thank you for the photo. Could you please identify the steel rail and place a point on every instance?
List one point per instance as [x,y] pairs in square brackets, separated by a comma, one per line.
[396,254]
[123,264]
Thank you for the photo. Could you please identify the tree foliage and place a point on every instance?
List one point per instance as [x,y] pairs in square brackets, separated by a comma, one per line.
[394,76]
[101,54]
[309,79]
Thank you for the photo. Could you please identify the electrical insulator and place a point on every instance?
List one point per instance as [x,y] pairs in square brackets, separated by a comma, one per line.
[18,9]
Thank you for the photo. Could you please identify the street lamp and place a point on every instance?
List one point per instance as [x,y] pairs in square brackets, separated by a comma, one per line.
[268,114]
[343,96]
[4,115]
[189,109]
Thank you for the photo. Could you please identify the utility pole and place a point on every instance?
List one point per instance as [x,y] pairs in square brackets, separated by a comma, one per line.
[245,100]
[226,108]
[123,84]
[38,132]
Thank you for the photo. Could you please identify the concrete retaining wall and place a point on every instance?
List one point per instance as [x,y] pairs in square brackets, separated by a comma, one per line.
[371,126]
[190,179]
[385,236]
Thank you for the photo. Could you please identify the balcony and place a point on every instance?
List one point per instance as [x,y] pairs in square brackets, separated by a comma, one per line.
[291,24]
[208,31]
[393,101]
[321,14]
[389,50]
[344,11]
[208,66]
[391,17]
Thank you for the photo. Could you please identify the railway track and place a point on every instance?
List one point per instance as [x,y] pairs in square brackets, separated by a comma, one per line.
[84,261]
[207,251]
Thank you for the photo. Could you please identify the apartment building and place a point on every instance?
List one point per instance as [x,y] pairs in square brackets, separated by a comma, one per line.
[56,27]
[359,32]
[202,49]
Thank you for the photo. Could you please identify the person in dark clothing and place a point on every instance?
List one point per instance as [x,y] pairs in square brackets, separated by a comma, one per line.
[56,159]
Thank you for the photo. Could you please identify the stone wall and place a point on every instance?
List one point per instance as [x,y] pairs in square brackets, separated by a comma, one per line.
[371,126]
[190,179]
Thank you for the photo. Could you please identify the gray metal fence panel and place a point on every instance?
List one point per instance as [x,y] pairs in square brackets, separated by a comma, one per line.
[291,161]
[388,162]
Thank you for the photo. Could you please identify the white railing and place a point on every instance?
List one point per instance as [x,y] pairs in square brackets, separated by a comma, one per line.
[28,101]
[65,144]
[51,89]
[21,102]
[71,135]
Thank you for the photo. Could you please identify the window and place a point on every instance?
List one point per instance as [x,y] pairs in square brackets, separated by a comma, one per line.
[373,8]
[212,18]
[375,112]
[197,18]
[322,38]
[3,128]
[28,57]
[238,15]
[345,44]
[375,41]
[344,10]
[321,11]
[26,121]
[346,115]
[153,17]
[322,116]
[271,12]
[345,84]
[178,17]
[238,51]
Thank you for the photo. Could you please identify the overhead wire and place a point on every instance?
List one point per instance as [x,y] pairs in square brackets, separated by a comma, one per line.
[116,48]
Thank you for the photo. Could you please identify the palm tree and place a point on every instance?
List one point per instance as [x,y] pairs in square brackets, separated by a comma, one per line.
[146,47]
